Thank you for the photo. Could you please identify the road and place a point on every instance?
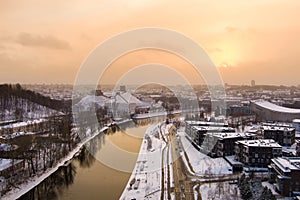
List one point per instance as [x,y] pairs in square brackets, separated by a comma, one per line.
[182,182]
[184,179]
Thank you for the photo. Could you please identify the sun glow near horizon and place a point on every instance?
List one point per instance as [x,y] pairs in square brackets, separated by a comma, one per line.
[38,45]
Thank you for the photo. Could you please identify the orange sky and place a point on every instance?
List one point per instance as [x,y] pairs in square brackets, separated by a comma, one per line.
[46,41]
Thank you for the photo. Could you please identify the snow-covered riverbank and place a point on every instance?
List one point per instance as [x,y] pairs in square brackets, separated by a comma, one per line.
[145,180]
[36,180]
[201,163]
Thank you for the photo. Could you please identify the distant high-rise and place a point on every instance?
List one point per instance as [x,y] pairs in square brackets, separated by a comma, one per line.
[253,83]
[123,88]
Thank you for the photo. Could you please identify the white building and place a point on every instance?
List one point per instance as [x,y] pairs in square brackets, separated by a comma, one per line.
[266,111]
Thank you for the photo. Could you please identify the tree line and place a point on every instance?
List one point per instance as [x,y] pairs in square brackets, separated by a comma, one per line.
[8,91]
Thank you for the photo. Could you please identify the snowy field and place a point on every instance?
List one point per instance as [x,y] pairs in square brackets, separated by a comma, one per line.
[147,174]
[219,191]
[201,163]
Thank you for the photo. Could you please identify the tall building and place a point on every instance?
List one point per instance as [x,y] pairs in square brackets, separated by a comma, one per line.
[253,83]
[122,88]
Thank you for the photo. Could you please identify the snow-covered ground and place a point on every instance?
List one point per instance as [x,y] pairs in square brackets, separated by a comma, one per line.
[34,181]
[146,177]
[219,191]
[167,159]
[29,110]
[5,163]
[7,147]
[23,124]
[270,186]
[16,134]
[201,163]
[148,168]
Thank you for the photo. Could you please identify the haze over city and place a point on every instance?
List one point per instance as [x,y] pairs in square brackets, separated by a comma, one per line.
[144,99]
[45,42]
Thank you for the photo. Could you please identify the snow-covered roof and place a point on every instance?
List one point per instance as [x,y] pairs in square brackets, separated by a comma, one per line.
[252,129]
[7,147]
[232,160]
[6,163]
[21,124]
[8,121]
[296,121]
[290,149]
[260,143]
[119,98]
[91,100]
[278,124]
[222,136]
[278,128]
[274,107]
[127,97]
[203,123]
[213,128]
[287,164]
[233,135]
[16,134]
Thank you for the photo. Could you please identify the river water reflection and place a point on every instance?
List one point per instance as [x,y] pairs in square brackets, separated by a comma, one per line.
[86,177]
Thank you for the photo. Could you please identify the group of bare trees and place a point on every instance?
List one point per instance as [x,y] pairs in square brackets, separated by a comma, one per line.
[40,144]
[44,148]
[45,142]
[11,95]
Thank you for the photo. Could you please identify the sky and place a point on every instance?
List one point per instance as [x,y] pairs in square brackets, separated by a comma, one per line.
[47,41]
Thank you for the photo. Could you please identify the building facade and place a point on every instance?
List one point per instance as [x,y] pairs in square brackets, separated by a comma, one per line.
[223,144]
[266,111]
[257,153]
[296,124]
[284,173]
[285,136]
[199,133]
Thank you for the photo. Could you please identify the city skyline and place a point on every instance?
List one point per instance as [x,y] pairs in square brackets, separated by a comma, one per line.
[46,42]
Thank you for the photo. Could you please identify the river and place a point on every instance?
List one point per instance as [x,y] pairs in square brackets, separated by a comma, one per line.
[87,178]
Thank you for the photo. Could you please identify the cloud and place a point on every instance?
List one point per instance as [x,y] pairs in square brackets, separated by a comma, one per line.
[47,41]
[230,29]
